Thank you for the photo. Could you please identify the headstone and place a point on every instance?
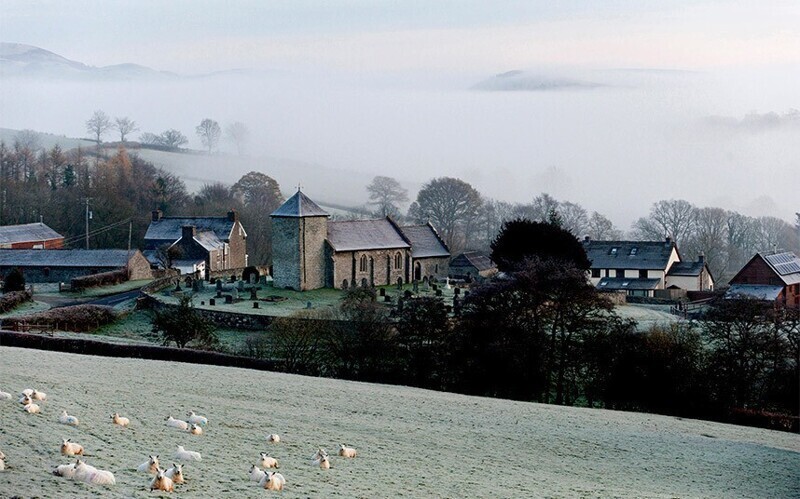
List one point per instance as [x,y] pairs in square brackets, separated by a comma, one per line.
[178,286]
[456,291]
[202,302]
[253,278]
[234,294]
[228,299]
[438,292]
[240,285]
[197,286]
[399,285]
[219,284]
[253,295]
[233,278]
[387,298]
[400,302]
[308,305]
[382,292]
[415,286]
[407,294]
[447,283]
[255,304]
[435,287]
[212,302]
[219,293]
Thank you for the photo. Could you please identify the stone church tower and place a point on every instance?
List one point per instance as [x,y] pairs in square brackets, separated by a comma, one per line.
[299,230]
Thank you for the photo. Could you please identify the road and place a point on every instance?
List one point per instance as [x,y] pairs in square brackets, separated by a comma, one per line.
[110,301]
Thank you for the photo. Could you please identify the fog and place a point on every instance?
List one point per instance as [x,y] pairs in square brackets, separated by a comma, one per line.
[634,137]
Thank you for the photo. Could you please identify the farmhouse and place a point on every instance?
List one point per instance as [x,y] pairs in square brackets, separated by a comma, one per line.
[769,277]
[63,265]
[310,252]
[472,265]
[197,244]
[30,236]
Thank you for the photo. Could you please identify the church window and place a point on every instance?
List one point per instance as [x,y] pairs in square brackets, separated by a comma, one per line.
[362,266]
[398,261]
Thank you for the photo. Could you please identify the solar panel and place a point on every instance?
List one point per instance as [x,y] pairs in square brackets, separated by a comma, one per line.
[780,258]
[787,268]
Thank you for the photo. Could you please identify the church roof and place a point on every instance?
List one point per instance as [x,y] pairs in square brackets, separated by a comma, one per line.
[359,235]
[425,242]
[299,206]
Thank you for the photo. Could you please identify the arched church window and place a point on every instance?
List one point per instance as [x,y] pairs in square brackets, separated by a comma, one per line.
[398,260]
[362,266]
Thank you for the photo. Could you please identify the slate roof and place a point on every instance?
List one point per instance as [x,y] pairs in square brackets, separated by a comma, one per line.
[26,233]
[208,240]
[299,206]
[475,259]
[425,242]
[756,291]
[786,265]
[359,235]
[634,255]
[112,258]
[692,269]
[170,228]
[621,283]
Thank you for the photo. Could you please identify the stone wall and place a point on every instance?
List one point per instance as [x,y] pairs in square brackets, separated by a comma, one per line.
[433,267]
[380,269]
[139,267]
[313,264]
[286,252]
[237,247]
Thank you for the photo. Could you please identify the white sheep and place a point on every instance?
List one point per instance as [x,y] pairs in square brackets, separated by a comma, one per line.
[5,395]
[267,462]
[187,455]
[65,418]
[27,391]
[32,408]
[2,461]
[65,470]
[149,466]
[195,429]
[25,399]
[346,451]
[70,448]
[318,455]
[256,474]
[90,474]
[37,395]
[272,481]
[175,473]
[273,438]
[177,423]
[161,482]
[119,420]
[197,419]
[323,462]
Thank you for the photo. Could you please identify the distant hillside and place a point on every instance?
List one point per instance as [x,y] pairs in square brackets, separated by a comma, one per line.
[46,140]
[521,81]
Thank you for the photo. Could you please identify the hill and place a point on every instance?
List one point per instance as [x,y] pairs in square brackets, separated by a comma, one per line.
[411,442]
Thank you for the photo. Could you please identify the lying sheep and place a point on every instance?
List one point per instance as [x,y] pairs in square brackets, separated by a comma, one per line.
[177,423]
[187,455]
[90,474]
[195,429]
[65,418]
[2,461]
[272,481]
[70,448]
[37,395]
[32,408]
[162,482]
[65,470]
[273,438]
[5,395]
[346,451]
[119,420]
[175,473]
[256,474]
[323,462]
[149,466]
[197,419]
[25,399]
[267,461]
[318,455]
[27,391]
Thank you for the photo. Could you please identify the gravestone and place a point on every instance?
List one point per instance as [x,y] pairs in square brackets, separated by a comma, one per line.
[438,292]
[219,293]
[212,302]
[381,292]
[228,299]
[219,284]
[456,291]
[255,304]
[202,302]
[415,286]
[253,295]
[400,302]
[308,305]
[234,294]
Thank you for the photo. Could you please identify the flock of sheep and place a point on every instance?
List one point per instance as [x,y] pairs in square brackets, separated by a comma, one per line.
[162,480]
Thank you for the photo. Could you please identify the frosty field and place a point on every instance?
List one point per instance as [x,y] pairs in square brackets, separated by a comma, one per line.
[411,442]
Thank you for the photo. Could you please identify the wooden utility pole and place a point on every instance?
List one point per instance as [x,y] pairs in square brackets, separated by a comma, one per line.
[87,223]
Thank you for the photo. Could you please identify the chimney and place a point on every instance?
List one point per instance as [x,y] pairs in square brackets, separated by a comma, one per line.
[188,231]
[669,241]
[587,239]
[233,216]
[157,215]
[701,258]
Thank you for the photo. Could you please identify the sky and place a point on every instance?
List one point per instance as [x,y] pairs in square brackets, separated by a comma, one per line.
[676,101]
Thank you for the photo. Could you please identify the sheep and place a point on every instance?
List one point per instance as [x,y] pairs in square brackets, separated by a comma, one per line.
[195,430]
[2,461]
[67,419]
[90,474]
[272,481]
[273,438]
[65,470]
[323,462]
[27,391]
[318,455]
[177,423]
[256,474]
[149,466]
[175,473]
[162,482]
[32,408]
[5,395]
[187,455]
[346,451]
[70,448]
[197,419]
[25,399]
[119,420]
[37,395]
[267,461]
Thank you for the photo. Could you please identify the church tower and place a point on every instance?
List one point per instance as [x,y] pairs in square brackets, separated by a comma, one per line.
[299,230]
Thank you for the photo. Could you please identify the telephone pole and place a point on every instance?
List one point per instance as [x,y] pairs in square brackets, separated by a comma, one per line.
[87,223]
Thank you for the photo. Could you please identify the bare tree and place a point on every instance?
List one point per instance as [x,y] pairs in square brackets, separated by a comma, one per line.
[574,218]
[209,132]
[239,134]
[385,193]
[601,228]
[172,138]
[125,126]
[672,218]
[98,125]
[709,237]
[451,205]
[28,139]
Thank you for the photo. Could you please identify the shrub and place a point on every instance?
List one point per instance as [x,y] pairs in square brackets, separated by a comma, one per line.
[13,299]
[79,318]
[101,279]
[14,281]
[182,325]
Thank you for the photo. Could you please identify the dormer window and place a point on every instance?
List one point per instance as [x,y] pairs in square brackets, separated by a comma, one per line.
[634,250]
[613,251]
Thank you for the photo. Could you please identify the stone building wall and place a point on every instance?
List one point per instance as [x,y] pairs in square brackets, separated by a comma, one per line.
[286,253]
[139,267]
[380,268]
[437,267]
[314,231]
[237,247]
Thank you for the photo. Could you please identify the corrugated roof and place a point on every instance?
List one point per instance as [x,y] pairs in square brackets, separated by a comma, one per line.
[475,259]
[170,228]
[634,255]
[755,291]
[355,235]
[65,258]
[425,242]
[786,265]
[299,206]
[27,233]
[620,283]
[686,269]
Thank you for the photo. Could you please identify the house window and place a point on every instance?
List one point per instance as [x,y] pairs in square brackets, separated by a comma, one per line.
[643,274]
[362,265]
[398,261]
[595,272]
[634,250]
[613,251]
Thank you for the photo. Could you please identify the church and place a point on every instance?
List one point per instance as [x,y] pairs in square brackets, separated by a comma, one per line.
[309,251]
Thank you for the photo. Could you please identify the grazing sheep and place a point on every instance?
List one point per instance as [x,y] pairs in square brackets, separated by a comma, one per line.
[65,470]
[149,466]
[119,420]
[162,482]
[197,419]
[32,408]
[5,395]
[272,481]
[175,473]
[90,474]
[37,395]
[273,438]
[70,448]
[267,461]
[323,462]
[177,423]
[346,451]
[195,429]
[256,474]
[65,418]
[187,455]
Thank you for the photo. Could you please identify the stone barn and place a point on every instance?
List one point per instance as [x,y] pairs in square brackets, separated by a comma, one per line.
[43,265]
